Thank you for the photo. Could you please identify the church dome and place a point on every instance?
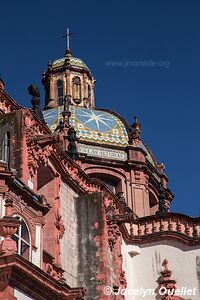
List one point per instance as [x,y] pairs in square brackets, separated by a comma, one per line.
[96,126]
[91,125]
[70,78]
[73,62]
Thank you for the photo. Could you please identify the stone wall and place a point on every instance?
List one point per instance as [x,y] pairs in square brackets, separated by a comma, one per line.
[69,248]
[98,267]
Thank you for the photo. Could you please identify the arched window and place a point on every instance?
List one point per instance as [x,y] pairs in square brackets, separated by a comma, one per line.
[60,91]
[5,149]
[76,91]
[153,203]
[112,182]
[89,91]
[22,238]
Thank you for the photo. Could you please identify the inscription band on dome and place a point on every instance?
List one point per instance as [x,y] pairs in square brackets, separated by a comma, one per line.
[102,152]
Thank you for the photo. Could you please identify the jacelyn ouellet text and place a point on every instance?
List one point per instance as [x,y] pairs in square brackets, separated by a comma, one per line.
[144,292]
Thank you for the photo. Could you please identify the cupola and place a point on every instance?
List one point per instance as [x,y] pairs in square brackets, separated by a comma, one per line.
[68,77]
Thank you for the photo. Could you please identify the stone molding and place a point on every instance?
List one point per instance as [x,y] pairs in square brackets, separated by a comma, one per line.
[151,228]
[33,281]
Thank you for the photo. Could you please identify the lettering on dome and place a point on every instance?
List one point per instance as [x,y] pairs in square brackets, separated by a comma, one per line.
[102,152]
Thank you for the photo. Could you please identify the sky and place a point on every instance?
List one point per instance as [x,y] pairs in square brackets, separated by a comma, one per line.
[145,57]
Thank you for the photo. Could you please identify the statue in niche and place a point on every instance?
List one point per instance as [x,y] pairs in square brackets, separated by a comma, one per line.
[87,103]
[76,90]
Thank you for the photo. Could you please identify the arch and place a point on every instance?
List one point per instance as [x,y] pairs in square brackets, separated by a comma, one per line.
[60,91]
[89,91]
[108,180]
[114,179]
[5,148]
[114,172]
[153,190]
[153,202]
[23,237]
[152,199]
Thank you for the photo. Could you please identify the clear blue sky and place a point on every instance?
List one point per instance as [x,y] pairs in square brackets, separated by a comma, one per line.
[166,99]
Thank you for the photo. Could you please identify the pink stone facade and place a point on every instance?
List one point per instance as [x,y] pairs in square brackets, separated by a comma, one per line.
[73,222]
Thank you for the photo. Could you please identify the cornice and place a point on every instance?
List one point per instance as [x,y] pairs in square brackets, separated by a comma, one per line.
[11,103]
[16,185]
[33,281]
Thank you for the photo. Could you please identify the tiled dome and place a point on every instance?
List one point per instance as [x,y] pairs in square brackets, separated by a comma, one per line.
[91,125]
[73,61]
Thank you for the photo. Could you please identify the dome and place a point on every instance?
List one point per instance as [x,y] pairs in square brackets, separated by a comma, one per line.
[91,125]
[149,156]
[96,126]
[73,62]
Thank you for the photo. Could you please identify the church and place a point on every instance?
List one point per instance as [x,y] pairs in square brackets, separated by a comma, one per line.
[84,205]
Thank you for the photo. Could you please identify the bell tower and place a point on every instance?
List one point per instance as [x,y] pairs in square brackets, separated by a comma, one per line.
[68,77]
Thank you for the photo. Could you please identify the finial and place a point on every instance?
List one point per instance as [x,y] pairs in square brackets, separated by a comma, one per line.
[136,128]
[67,36]
[136,119]
[165,264]
[49,65]
[166,284]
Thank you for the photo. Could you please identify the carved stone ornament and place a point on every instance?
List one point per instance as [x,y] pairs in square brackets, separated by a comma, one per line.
[8,227]
[113,234]
[165,281]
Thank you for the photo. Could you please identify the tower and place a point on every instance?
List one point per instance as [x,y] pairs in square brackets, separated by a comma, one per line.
[68,77]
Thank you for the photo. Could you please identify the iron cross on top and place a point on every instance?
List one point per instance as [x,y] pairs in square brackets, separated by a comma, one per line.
[67,36]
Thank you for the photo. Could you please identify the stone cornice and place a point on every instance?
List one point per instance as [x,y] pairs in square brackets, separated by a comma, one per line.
[7,104]
[33,281]
[20,188]
[64,68]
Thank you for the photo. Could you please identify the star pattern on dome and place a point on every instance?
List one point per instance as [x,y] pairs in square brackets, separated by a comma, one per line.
[96,120]
[91,125]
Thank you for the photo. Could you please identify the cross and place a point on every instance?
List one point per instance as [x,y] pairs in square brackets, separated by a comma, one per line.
[67,36]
